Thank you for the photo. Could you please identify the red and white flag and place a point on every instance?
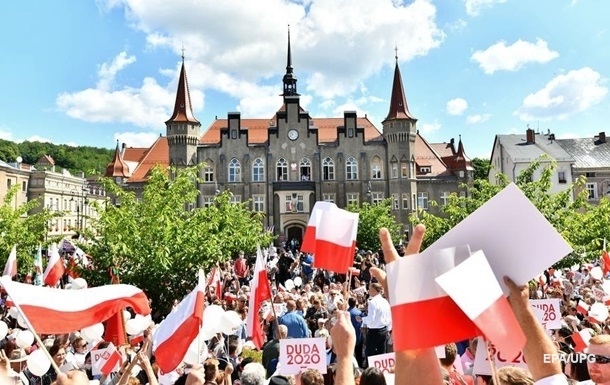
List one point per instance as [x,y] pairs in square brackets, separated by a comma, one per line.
[581,340]
[605,260]
[176,333]
[336,240]
[259,293]
[73,310]
[106,361]
[55,269]
[582,307]
[10,268]
[309,239]
[215,282]
[474,288]
[422,305]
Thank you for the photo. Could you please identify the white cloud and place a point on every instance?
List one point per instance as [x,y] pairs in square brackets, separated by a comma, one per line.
[430,127]
[456,106]
[457,25]
[500,57]
[38,138]
[246,62]
[136,139]
[474,7]
[477,118]
[108,71]
[564,95]
[6,133]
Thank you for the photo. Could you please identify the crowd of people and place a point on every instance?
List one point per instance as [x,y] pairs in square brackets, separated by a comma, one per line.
[353,316]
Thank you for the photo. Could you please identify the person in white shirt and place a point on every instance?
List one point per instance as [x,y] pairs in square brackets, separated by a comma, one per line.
[378,321]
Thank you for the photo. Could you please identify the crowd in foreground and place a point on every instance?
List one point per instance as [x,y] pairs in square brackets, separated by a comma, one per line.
[355,322]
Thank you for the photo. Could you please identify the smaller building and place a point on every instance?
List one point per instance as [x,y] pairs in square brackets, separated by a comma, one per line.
[11,175]
[70,195]
[591,160]
[514,153]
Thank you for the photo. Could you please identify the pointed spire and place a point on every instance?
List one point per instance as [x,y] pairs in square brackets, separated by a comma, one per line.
[398,102]
[183,110]
[290,81]
[460,150]
[117,167]
[462,161]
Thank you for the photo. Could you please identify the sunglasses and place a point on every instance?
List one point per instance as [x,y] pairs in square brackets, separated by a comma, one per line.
[599,359]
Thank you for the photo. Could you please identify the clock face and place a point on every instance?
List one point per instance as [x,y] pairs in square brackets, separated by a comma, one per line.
[293,134]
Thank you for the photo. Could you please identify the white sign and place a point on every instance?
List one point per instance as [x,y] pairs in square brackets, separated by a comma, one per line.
[549,315]
[104,361]
[298,354]
[383,362]
[482,365]
[599,295]
[520,251]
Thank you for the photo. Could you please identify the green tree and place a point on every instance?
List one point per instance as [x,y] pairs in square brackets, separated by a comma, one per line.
[563,212]
[8,151]
[158,243]
[373,217]
[481,168]
[25,231]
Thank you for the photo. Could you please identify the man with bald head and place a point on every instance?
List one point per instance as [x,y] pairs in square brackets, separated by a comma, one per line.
[294,322]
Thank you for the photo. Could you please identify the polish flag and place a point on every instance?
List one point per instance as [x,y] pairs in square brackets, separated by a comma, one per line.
[475,289]
[176,333]
[137,339]
[259,293]
[582,307]
[10,268]
[73,309]
[215,282]
[581,340]
[114,330]
[55,269]
[336,240]
[422,305]
[309,239]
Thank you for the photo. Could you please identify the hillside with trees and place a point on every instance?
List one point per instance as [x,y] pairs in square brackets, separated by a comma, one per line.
[90,160]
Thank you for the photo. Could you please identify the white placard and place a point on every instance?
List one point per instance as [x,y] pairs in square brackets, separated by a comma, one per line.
[298,354]
[550,314]
[384,362]
[481,364]
[440,351]
[516,238]
[599,295]
[103,357]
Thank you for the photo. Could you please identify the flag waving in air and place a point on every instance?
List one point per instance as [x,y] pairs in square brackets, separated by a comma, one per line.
[10,268]
[259,293]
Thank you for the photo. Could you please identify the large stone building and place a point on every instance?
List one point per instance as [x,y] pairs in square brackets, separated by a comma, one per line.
[286,162]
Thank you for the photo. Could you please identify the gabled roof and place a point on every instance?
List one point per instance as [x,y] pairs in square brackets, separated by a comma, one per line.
[258,128]
[586,152]
[158,153]
[46,159]
[517,148]
[425,155]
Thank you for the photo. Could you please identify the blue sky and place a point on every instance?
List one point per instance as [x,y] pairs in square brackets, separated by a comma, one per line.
[92,72]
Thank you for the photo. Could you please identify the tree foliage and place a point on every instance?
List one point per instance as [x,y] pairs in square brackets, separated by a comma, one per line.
[373,217]
[90,160]
[481,168]
[566,214]
[25,231]
[158,244]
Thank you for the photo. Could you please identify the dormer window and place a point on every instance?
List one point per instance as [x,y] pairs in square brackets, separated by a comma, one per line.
[425,169]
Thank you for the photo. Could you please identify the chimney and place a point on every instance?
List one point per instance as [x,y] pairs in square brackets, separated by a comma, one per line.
[602,137]
[530,136]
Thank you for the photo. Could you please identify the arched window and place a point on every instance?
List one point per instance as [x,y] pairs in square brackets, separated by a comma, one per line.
[376,168]
[208,171]
[282,169]
[305,169]
[328,169]
[351,168]
[258,170]
[234,171]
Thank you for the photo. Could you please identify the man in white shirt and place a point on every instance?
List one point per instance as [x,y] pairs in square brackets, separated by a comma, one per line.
[378,321]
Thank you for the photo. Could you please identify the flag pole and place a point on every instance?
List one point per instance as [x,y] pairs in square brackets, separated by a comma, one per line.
[37,338]
[492,363]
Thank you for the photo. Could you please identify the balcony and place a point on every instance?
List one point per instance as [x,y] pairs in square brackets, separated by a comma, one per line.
[294,186]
